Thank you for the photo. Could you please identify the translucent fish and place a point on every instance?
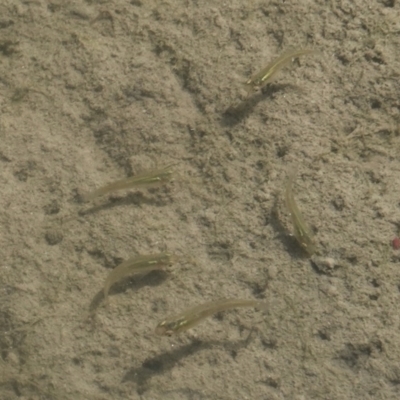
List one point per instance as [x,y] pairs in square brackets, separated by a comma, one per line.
[146,179]
[194,315]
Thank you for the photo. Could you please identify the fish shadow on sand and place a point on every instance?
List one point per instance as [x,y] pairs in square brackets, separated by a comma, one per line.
[235,113]
[166,361]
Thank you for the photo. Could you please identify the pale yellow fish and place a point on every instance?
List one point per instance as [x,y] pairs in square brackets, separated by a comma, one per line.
[301,231]
[146,179]
[263,77]
[137,265]
[194,315]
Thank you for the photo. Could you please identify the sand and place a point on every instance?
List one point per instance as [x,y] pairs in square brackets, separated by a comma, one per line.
[95,91]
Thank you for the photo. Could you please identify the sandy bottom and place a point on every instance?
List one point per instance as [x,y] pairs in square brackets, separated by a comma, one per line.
[95,91]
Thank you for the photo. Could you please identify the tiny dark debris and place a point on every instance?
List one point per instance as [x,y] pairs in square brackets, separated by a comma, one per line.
[53,237]
[21,175]
[26,170]
[52,208]
[375,283]
[324,334]
[77,361]
[339,203]
[375,103]
[52,7]
[352,354]
[272,382]
[5,23]
[282,150]
[7,47]
[343,58]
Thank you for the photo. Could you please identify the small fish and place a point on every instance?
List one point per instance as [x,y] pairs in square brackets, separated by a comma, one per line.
[301,231]
[192,316]
[260,79]
[146,179]
[137,265]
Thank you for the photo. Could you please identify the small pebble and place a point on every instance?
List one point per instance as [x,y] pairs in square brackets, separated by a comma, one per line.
[12,358]
[324,265]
